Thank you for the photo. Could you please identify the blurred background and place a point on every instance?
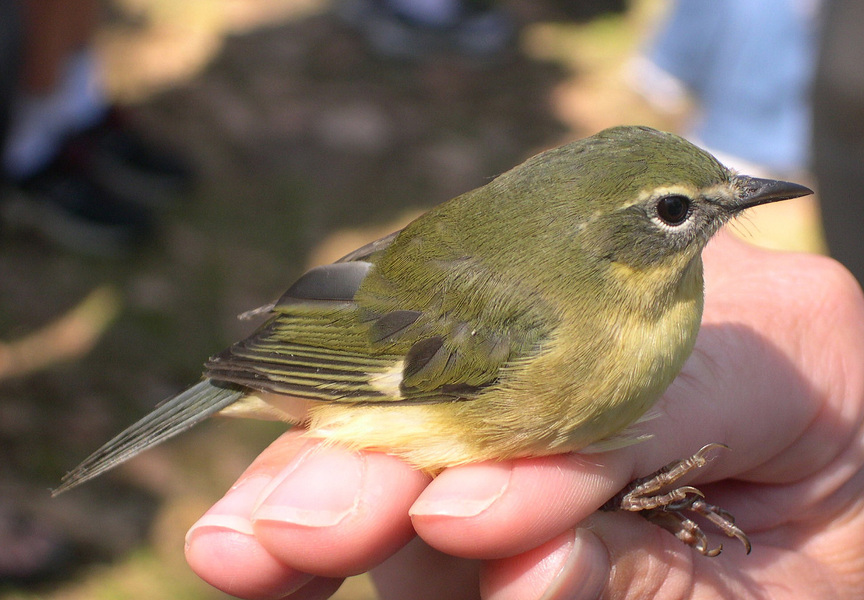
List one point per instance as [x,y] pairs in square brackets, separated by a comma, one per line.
[259,137]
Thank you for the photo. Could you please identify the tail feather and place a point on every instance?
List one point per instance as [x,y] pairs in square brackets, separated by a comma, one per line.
[171,418]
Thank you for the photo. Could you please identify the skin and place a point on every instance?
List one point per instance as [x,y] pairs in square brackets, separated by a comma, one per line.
[776,374]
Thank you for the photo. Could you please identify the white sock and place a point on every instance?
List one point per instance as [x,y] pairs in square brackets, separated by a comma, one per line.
[84,101]
[39,124]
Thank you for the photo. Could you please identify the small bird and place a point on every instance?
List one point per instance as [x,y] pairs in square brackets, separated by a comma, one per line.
[542,313]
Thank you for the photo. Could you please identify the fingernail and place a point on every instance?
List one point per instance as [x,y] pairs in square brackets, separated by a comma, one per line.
[225,514]
[319,489]
[583,568]
[464,491]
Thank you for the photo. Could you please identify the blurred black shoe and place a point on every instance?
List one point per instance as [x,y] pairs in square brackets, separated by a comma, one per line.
[119,160]
[478,32]
[68,208]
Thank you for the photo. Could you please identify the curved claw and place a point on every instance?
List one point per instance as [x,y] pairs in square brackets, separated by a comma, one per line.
[742,537]
[691,495]
[710,445]
[701,455]
[722,520]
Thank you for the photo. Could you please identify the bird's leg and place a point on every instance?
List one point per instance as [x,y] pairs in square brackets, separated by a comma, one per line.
[667,509]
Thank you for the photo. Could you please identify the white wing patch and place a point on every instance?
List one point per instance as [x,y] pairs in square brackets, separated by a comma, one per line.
[389,381]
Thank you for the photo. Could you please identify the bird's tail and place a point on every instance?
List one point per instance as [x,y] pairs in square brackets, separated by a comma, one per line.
[168,419]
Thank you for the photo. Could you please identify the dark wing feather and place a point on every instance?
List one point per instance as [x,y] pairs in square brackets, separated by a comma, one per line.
[346,332]
[337,282]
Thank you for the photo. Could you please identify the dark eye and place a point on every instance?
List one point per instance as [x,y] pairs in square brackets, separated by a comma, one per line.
[673,210]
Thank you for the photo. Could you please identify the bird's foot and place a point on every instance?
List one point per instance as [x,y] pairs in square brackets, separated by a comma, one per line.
[667,509]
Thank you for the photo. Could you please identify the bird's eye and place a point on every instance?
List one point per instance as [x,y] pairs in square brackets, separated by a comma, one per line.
[673,210]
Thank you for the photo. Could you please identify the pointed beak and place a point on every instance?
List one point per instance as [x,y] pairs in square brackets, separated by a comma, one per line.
[753,191]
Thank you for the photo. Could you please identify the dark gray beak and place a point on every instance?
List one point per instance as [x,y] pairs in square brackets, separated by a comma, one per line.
[754,191]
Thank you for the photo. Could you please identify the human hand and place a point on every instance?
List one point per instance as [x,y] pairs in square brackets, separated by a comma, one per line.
[777,375]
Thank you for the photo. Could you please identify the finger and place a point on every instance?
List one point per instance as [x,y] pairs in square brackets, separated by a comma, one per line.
[620,555]
[420,572]
[573,565]
[319,588]
[609,555]
[647,562]
[333,512]
[221,547]
[491,510]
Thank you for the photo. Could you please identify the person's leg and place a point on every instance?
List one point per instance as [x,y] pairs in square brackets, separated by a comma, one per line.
[838,131]
[55,30]
[76,172]
[59,91]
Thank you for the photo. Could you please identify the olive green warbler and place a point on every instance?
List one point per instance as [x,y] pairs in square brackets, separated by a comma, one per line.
[542,313]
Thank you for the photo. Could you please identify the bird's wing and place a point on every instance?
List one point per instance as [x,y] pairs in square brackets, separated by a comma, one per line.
[313,346]
[350,332]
